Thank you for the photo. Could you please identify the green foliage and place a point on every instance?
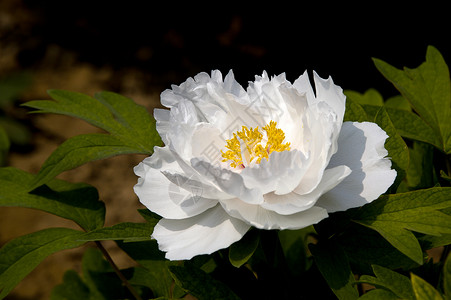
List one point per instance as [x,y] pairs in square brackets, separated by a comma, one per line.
[380,243]
[78,202]
[21,255]
[428,89]
[399,286]
[395,216]
[131,130]
[241,251]
[423,290]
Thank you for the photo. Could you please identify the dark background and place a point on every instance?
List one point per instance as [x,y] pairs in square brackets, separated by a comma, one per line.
[172,41]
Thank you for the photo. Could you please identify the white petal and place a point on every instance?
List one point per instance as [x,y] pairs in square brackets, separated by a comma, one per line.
[162,196]
[227,181]
[281,173]
[302,84]
[262,218]
[332,94]
[203,234]
[293,202]
[361,148]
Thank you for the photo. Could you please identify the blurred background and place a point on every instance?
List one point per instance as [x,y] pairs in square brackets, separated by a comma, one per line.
[140,48]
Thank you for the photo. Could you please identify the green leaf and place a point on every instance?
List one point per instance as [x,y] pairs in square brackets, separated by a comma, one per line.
[200,284]
[393,216]
[366,247]
[354,112]
[294,248]
[127,232]
[77,151]
[76,105]
[378,294]
[241,251]
[147,255]
[99,276]
[136,122]
[423,290]
[131,129]
[428,89]
[370,97]
[77,202]
[411,126]
[21,255]
[333,264]
[421,168]
[398,102]
[398,284]
[395,145]
[72,288]
[447,278]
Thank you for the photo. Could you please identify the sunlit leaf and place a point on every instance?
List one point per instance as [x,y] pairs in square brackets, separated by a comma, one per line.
[398,102]
[354,112]
[399,284]
[423,290]
[428,89]
[369,97]
[395,216]
[241,251]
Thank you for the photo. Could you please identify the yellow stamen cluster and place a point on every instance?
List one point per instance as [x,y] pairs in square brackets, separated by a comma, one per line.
[252,141]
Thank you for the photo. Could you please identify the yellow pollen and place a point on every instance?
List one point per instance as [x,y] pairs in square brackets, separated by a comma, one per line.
[249,143]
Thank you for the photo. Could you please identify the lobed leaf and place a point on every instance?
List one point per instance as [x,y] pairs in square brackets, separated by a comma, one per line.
[21,255]
[428,89]
[354,112]
[398,284]
[369,97]
[76,105]
[130,129]
[411,126]
[395,216]
[77,202]
[77,151]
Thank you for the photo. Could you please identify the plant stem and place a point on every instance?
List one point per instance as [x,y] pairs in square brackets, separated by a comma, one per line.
[117,271]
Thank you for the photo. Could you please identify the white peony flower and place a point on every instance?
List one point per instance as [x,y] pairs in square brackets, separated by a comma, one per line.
[274,156]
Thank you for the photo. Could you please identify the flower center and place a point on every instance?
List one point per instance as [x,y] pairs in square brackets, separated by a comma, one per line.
[247,145]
